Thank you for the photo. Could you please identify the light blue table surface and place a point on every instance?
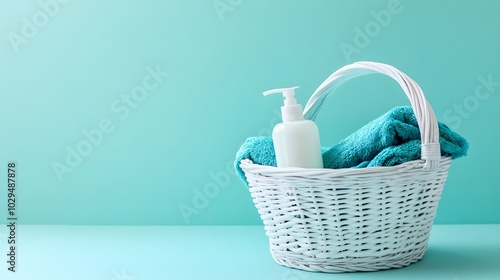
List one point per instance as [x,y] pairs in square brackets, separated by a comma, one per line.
[456,252]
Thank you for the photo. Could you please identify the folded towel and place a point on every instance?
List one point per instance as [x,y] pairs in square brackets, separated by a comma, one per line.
[391,139]
[259,150]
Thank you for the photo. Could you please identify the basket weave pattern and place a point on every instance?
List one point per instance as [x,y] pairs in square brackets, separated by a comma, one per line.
[347,220]
[353,219]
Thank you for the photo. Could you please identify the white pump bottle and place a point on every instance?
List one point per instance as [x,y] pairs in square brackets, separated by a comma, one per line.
[296,140]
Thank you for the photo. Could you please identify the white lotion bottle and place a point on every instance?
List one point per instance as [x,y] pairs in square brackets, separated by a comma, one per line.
[296,140]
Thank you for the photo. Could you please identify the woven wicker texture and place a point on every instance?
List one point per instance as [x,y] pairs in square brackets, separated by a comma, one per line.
[343,220]
[347,219]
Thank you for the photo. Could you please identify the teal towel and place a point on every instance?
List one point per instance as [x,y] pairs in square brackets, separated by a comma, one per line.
[391,139]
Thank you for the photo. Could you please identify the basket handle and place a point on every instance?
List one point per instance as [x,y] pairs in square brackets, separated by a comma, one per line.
[427,122]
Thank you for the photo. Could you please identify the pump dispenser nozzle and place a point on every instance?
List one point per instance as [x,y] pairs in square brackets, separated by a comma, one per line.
[296,141]
[291,111]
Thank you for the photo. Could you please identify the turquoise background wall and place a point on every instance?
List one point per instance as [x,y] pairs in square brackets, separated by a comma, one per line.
[126,112]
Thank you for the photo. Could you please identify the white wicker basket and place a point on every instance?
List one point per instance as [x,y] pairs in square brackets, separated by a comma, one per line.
[342,220]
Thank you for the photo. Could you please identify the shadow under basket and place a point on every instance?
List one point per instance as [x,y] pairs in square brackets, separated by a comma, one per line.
[346,220]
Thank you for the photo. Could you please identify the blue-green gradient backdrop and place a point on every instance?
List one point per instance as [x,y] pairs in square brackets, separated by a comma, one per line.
[68,68]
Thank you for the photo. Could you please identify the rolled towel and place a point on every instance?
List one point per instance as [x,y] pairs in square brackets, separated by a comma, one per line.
[391,139]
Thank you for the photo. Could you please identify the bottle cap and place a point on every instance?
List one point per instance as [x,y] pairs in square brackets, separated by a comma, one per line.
[290,111]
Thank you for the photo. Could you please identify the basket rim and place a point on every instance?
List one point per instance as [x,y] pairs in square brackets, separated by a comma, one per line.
[249,165]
